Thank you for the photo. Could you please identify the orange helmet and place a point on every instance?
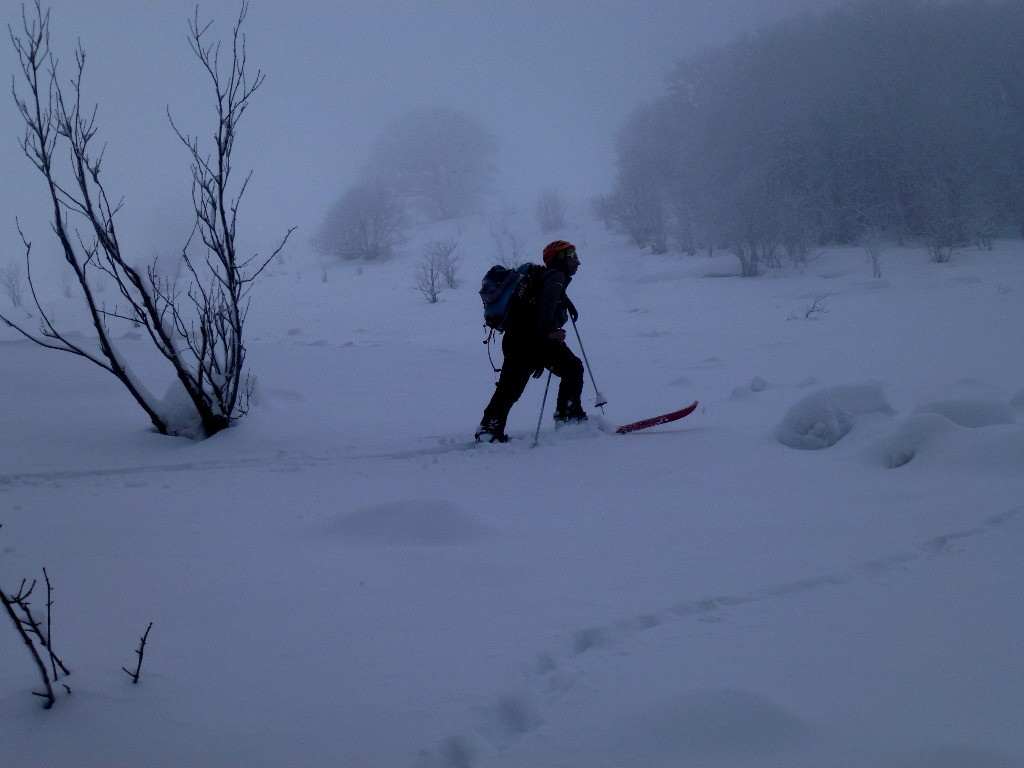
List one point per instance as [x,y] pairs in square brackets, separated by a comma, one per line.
[557,250]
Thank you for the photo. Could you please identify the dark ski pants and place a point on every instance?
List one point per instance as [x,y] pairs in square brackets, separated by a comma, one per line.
[522,358]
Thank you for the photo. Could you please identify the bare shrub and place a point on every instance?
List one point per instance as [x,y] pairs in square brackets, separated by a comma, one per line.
[817,307]
[445,253]
[940,242]
[37,634]
[429,279]
[871,242]
[550,211]
[12,283]
[508,244]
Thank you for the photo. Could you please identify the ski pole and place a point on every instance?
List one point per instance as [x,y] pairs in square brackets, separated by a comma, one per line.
[599,399]
[536,437]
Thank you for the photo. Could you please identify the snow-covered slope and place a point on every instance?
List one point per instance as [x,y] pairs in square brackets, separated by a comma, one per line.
[820,567]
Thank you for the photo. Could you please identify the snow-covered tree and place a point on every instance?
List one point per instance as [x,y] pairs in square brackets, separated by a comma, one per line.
[898,117]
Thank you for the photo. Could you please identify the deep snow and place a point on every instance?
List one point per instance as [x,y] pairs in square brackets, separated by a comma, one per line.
[820,567]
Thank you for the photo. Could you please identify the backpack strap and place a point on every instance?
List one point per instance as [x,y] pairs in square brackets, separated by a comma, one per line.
[487,342]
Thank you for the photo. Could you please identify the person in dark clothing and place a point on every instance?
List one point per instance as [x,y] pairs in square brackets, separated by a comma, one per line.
[534,341]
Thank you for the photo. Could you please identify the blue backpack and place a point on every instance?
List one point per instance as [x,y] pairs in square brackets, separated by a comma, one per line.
[502,290]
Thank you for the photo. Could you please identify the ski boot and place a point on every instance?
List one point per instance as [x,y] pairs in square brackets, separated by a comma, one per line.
[571,413]
[491,431]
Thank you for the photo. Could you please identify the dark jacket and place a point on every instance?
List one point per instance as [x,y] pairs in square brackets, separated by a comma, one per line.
[552,303]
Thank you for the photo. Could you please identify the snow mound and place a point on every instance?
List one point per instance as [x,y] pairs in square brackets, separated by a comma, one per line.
[747,391]
[939,424]
[410,523]
[179,412]
[823,418]
[914,435]
[970,413]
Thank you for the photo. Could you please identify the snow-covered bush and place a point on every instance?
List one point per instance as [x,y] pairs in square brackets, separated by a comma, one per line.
[822,419]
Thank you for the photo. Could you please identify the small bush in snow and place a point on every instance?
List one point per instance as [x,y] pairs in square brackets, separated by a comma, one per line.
[36,633]
[445,253]
[816,307]
[429,280]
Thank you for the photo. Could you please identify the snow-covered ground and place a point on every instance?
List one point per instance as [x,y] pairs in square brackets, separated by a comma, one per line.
[820,567]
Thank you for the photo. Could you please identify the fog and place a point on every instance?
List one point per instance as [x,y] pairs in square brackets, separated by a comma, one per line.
[552,81]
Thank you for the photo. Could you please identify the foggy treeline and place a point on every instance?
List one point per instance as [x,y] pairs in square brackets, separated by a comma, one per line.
[900,120]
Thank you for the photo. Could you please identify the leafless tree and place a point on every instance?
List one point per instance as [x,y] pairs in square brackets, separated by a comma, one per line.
[12,282]
[429,280]
[368,222]
[636,209]
[197,328]
[871,242]
[441,160]
[550,211]
[508,244]
[445,253]
[903,115]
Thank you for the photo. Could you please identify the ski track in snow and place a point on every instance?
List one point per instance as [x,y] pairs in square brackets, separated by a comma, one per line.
[281,463]
[514,714]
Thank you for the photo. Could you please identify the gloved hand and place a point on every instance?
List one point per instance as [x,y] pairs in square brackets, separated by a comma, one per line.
[538,372]
[573,313]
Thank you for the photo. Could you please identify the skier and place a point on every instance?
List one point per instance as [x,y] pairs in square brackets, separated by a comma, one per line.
[535,341]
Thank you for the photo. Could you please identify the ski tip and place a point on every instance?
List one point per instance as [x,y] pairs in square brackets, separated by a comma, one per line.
[636,426]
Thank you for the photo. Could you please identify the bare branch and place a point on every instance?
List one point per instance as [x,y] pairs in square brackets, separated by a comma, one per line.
[141,649]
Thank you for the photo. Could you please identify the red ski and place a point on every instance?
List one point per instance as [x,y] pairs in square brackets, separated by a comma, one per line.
[654,421]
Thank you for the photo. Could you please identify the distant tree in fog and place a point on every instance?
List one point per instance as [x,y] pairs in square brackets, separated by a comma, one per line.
[367,222]
[550,211]
[899,117]
[441,160]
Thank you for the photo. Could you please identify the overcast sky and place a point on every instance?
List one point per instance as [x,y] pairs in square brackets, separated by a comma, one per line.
[551,79]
